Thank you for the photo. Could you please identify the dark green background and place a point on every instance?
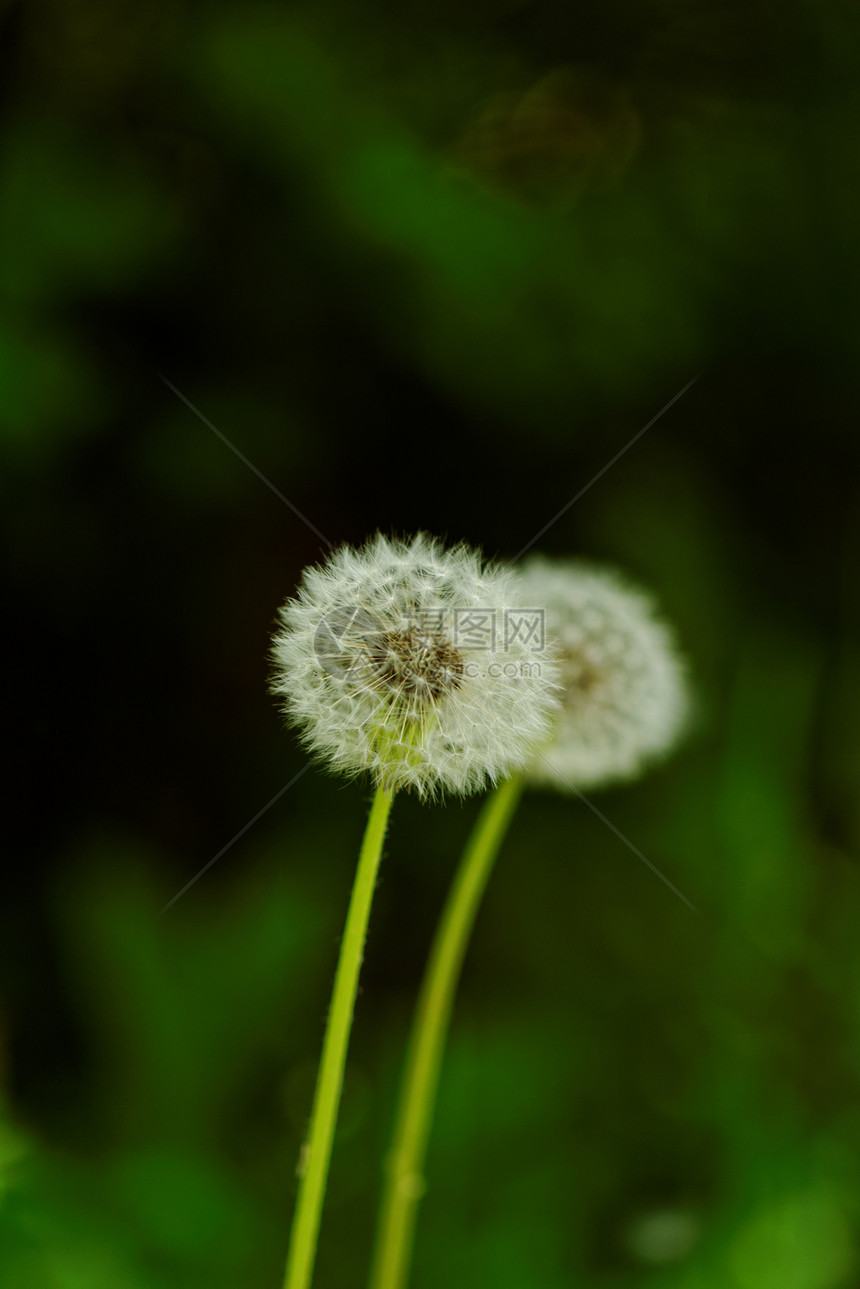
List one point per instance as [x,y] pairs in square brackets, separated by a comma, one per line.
[427,266]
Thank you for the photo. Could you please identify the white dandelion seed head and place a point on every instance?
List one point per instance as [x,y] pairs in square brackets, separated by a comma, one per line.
[624,700]
[396,659]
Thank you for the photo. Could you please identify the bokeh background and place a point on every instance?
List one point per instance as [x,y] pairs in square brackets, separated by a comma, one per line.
[427,266]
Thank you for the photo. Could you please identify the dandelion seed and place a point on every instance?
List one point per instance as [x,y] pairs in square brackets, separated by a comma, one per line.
[624,693]
[387,662]
[391,660]
[623,703]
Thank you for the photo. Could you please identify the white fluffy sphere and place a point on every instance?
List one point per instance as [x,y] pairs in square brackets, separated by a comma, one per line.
[410,661]
[624,698]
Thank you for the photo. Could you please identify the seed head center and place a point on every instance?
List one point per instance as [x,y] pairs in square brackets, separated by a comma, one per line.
[416,664]
[587,678]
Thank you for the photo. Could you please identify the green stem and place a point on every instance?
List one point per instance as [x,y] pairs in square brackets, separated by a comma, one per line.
[405,1182]
[317,1151]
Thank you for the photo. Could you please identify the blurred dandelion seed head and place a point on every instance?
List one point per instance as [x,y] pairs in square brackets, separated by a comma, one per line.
[625,694]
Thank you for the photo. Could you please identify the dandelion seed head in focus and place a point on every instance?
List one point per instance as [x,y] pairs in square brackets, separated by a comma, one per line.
[390,660]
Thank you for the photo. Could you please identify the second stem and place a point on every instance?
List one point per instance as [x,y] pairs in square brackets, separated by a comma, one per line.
[405,1182]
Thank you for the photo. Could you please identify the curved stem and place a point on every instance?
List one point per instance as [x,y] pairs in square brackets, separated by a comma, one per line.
[405,1182]
[317,1150]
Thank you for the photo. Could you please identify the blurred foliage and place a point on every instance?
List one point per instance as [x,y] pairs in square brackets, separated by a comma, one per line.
[427,266]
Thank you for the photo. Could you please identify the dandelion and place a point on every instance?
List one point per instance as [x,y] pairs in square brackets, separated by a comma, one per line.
[389,663]
[624,688]
[393,660]
[623,703]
